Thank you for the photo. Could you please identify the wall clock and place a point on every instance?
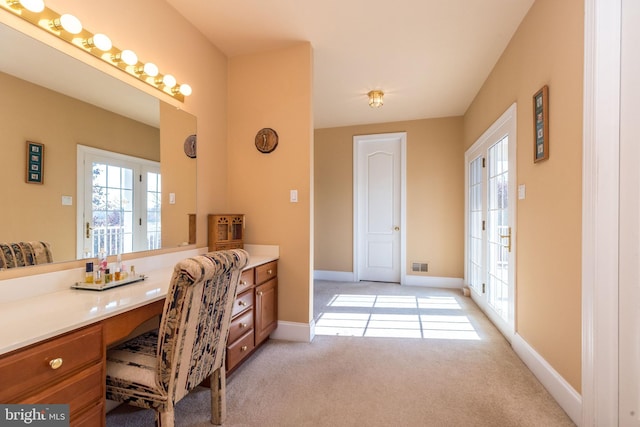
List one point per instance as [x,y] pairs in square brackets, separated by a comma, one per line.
[190,146]
[266,140]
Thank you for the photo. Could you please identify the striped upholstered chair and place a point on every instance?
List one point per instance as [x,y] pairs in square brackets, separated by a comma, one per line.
[157,369]
[23,254]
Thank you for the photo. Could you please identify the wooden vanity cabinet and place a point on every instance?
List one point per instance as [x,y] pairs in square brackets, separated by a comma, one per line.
[66,369]
[266,300]
[255,312]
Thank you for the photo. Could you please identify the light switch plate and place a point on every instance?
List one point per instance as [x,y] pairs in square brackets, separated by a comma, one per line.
[521,192]
[293,196]
[67,200]
[172,198]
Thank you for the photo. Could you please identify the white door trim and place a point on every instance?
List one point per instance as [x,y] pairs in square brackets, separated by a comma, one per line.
[403,197]
[600,206]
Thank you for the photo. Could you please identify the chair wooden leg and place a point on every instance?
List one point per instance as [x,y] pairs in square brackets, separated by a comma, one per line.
[218,396]
[165,419]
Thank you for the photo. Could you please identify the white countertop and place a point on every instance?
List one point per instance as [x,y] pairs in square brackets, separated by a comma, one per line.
[41,316]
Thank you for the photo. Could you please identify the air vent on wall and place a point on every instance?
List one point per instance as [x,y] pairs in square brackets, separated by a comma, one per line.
[421,267]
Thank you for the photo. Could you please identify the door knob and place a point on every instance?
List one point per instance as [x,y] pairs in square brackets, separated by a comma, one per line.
[396,228]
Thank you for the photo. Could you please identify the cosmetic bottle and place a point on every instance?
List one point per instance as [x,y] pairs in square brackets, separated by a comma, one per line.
[117,273]
[88,275]
[102,261]
[107,276]
[123,271]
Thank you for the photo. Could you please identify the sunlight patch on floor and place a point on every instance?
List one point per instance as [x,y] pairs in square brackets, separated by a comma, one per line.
[367,321]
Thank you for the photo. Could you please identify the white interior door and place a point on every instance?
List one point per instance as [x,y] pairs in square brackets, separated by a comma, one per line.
[378,193]
[490,214]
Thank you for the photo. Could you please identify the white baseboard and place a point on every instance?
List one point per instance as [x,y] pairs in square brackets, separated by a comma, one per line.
[292,331]
[434,282]
[334,276]
[566,396]
[410,280]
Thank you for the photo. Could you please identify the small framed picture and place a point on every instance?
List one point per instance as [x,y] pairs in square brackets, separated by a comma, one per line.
[541,124]
[35,163]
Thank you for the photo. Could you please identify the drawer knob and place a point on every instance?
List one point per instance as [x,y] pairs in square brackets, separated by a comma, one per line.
[243,325]
[55,363]
[259,293]
[244,348]
[243,282]
[242,303]
[269,271]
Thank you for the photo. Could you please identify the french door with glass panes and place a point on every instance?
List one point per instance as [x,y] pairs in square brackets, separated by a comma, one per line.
[120,203]
[490,218]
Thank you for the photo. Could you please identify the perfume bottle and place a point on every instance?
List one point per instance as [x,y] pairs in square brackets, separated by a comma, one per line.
[88,275]
[107,276]
[102,261]
[117,273]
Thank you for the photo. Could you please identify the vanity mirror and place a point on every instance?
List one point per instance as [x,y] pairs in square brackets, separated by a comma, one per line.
[92,126]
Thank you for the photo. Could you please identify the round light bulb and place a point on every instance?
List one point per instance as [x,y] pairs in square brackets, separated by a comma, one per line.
[102,42]
[70,23]
[35,6]
[150,69]
[169,80]
[129,57]
[185,89]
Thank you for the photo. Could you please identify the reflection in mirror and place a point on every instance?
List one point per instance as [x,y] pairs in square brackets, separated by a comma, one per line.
[65,108]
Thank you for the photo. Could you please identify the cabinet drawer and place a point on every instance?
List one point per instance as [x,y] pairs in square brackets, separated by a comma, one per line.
[239,350]
[243,302]
[93,417]
[79,391]
[26,369]
[240,326]
[246,281]
[266,271]
[227,246]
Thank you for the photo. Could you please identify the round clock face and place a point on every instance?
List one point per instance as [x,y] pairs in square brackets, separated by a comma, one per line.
[190,146]
[266,140]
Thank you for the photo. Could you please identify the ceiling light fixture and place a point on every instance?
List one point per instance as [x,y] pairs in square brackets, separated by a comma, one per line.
[375,98]
[69,28]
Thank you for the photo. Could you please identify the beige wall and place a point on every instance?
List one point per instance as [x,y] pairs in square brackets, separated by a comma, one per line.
[546,49]
[32,113]
[435,202]
[273,89]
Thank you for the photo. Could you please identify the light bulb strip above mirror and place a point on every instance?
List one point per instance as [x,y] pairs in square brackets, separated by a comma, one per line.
[69,28]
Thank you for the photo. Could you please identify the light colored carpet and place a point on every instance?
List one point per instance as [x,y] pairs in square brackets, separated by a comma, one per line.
[342,380]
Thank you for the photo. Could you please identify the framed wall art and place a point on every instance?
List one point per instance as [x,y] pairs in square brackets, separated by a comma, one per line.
[35,163]
[541,124]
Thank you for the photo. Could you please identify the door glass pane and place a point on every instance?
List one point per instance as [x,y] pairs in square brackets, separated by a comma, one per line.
[475,224]
[498,228]
[112,208]
[154,222]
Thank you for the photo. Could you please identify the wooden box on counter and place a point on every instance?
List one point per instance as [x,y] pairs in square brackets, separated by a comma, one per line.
[225,231]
